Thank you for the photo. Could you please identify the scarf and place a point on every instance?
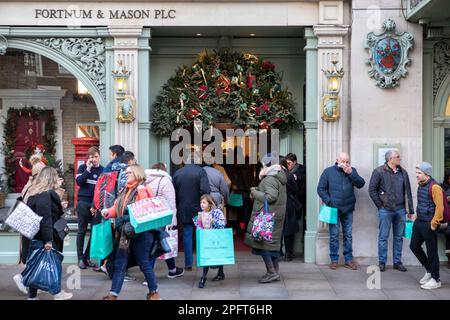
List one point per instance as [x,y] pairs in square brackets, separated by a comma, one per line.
[126,197]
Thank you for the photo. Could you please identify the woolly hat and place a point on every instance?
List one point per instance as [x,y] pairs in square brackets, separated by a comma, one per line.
[270,159]
[426,168]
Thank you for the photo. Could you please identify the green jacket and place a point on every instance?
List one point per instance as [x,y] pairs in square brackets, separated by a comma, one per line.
[273,185]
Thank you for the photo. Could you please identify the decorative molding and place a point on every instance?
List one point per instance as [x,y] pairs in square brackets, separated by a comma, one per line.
[388,65]
[331,12]
[87,53]
[3,45]
[441,64]
[330,36]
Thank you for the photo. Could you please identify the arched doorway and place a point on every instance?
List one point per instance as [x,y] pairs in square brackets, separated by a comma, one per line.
[441,130]
[47,103]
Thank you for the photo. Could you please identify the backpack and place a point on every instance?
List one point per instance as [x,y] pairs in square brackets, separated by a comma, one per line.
[446,213]
[105,191]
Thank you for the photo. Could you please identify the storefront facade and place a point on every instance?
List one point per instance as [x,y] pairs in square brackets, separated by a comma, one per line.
[299,37]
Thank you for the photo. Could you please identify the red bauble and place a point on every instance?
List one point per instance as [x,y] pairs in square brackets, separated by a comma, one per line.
[263,125]
[266,64]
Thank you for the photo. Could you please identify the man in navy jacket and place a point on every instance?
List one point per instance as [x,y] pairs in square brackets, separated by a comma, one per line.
[86,179]
[336,189]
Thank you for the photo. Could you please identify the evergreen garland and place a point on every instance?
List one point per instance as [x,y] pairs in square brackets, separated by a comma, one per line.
[9,140]
[238,88]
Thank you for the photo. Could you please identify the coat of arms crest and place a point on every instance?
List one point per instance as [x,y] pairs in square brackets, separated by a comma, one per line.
[388,55]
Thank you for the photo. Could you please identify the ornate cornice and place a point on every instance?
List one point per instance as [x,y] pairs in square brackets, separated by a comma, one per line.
[87,53]
[3,45]
[441,63]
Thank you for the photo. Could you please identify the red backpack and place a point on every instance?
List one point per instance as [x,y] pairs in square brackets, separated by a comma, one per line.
[105,191]
[446,212]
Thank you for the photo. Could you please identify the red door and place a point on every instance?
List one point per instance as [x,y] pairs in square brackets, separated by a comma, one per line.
[29,132]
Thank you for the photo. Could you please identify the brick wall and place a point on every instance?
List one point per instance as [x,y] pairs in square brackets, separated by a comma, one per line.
[74,110]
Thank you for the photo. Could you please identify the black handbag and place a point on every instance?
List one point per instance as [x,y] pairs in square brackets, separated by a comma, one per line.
[61,228]
[160,245]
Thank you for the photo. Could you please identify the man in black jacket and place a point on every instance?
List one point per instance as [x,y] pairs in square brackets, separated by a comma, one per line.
[86,179]
[390,190]
[190,183]
[336,189]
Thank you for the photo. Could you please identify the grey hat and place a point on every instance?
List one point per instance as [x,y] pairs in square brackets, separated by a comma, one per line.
[270,159]
[426,168]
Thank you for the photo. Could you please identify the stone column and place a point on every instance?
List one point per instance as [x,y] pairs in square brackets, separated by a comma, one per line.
[332,137]
[126,49]
[310,124]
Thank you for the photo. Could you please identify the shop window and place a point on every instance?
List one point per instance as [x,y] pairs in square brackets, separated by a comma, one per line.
[87,130]
[33,64]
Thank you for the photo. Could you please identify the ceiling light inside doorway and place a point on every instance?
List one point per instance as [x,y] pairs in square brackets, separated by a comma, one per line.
[198,34]
[82,90]
[252,34]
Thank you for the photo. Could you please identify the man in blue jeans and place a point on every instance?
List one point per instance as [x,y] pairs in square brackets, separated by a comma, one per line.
[336,189]
[390,190]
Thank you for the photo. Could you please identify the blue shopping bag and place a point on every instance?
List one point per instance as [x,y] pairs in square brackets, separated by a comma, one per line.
[101,240]
[43,270]
[408,229]
[328,214]
[215,247]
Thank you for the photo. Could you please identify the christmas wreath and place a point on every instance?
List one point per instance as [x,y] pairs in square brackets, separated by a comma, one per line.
[238,88]
[9,140]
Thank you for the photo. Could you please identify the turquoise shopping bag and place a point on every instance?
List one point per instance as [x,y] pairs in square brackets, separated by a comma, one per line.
[101,240]
[408,229]
[328,214]
[235,200]
[214,247]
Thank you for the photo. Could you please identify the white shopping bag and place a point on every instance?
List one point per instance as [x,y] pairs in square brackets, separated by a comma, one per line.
[173,243]
[24,220]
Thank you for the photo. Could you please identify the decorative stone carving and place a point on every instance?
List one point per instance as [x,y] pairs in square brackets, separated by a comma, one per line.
[441,64]
[3,45]
[87,53]
[388,55]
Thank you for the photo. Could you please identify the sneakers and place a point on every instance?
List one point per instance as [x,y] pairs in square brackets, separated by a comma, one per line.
[153,296]
[63,296]
[178,273]
[18,280]
[129,277]
[426,278]
[431,284]
[144,283]
[35,298]
[270,277]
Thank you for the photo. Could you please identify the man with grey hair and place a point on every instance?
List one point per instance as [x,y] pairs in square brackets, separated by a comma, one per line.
[390,190]
[336,189]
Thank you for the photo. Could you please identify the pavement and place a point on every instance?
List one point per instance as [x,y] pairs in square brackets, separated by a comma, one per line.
[299,281]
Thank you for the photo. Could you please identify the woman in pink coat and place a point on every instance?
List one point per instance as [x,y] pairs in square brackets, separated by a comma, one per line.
[161,184]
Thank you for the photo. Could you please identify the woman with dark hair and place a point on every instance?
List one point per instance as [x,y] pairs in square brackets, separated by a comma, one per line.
[446,186]
[291,226]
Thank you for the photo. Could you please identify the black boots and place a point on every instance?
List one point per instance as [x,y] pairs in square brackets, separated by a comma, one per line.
[448,262]
[220,275]
[201,284]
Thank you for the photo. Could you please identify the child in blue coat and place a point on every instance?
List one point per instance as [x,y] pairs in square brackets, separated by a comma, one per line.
[211,217]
